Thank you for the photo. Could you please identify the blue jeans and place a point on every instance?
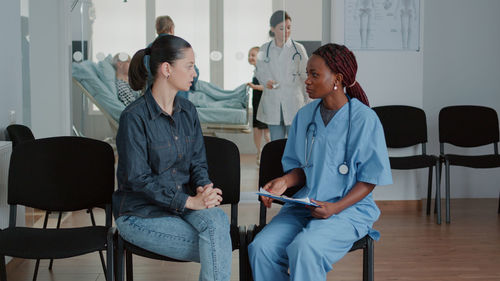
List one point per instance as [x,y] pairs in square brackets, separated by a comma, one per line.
[200,236]
[278,131]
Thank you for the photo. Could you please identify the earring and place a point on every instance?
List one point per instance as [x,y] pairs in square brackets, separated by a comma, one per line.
[168,76]
[335,87]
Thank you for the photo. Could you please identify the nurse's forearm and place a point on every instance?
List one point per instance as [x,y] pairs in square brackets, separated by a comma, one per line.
[357,193]
[295,177]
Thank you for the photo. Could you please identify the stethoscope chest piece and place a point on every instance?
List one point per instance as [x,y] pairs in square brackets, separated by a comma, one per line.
[343,169]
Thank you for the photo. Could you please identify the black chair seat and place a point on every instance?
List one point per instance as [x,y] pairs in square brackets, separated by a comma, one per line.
[412,162]
[52,243]
[361,243]
[145,253]
[474,161]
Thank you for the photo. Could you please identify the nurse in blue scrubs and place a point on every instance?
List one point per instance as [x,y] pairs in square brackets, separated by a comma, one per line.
[336,150]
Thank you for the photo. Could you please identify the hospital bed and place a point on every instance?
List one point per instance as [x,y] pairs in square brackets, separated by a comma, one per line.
[219,110]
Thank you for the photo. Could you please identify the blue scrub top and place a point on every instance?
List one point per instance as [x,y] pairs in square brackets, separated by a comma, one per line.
[367,158]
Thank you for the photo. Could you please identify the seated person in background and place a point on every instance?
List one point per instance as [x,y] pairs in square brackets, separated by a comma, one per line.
[165,26]
[126,95]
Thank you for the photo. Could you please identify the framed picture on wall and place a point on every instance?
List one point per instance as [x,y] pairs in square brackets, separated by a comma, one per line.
[382,24]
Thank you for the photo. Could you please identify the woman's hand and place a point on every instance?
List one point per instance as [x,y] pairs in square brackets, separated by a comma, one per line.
[251,85]
[270,84]
[324,211]
[206,197]
[277,186]
[255,87]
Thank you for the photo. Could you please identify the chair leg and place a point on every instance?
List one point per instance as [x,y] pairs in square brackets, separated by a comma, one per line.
[447,179]
[92,219]
[499,203]
[110,252]
[119,259]
[368,261]
[3,269]
[57,227]
[37,264]
[429,192]
[242,232]
[438,192]
[129,266]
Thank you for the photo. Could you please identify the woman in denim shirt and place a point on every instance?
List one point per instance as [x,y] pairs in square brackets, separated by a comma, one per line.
[165,200]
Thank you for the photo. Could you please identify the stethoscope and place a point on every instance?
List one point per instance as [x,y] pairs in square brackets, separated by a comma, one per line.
[268,59]
[312,127]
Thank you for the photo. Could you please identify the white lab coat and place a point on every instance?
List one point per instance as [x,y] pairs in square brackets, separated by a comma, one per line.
[290,94]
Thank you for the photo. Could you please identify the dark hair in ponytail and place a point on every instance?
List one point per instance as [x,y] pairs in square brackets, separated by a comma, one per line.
[278,17]
[166,48]
[341,60]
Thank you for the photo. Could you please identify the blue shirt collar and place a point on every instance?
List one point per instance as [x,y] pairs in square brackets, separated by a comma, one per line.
[154,109]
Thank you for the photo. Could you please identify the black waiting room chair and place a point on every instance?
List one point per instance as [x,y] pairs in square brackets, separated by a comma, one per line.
[406,126]
[468,126]
[60,174]
[223,159]
[271,168]
[19,134]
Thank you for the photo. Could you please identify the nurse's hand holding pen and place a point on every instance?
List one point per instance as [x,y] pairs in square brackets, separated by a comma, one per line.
[277,186]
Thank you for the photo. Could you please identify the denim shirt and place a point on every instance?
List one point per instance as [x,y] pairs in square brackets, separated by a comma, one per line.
[161,158]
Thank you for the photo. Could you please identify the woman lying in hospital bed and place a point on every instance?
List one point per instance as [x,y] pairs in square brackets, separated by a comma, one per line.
[217,108]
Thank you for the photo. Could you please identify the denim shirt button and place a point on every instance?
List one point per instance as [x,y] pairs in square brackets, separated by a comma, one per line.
[178,187]
[175,137]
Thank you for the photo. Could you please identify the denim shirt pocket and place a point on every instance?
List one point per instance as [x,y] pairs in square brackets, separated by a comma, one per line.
[162,155]
[188,147]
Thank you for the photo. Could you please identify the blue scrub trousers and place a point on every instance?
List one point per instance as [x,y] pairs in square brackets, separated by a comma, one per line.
[306,246]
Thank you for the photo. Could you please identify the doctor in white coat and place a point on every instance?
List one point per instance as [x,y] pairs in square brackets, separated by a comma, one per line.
[281,68]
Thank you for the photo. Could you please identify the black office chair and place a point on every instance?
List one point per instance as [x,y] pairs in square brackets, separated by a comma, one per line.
[270,168]
[59,174]
[223,159]
[20,134]
[406,126]
[467,126]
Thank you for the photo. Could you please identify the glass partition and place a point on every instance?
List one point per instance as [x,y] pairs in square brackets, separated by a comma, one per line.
[117,27]
[192,22]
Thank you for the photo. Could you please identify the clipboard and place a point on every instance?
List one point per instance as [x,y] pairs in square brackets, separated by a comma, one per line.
[286,199]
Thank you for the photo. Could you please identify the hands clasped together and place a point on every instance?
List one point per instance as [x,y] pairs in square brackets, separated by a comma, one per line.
[206,197]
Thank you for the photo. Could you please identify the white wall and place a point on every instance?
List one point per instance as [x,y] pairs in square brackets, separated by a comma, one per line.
[462,67]
[50,67]
[10,67]
[306,19]
[390,77]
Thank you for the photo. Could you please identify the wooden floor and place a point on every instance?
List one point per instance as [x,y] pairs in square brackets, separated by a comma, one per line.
[412,247]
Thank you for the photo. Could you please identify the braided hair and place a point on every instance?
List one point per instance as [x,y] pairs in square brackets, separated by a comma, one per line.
[341,60]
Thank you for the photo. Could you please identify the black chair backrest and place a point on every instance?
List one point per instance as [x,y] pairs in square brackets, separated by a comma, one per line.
[61,174]
[404,125]
[223,159]
[270,164]
[468,125]
[19,134]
